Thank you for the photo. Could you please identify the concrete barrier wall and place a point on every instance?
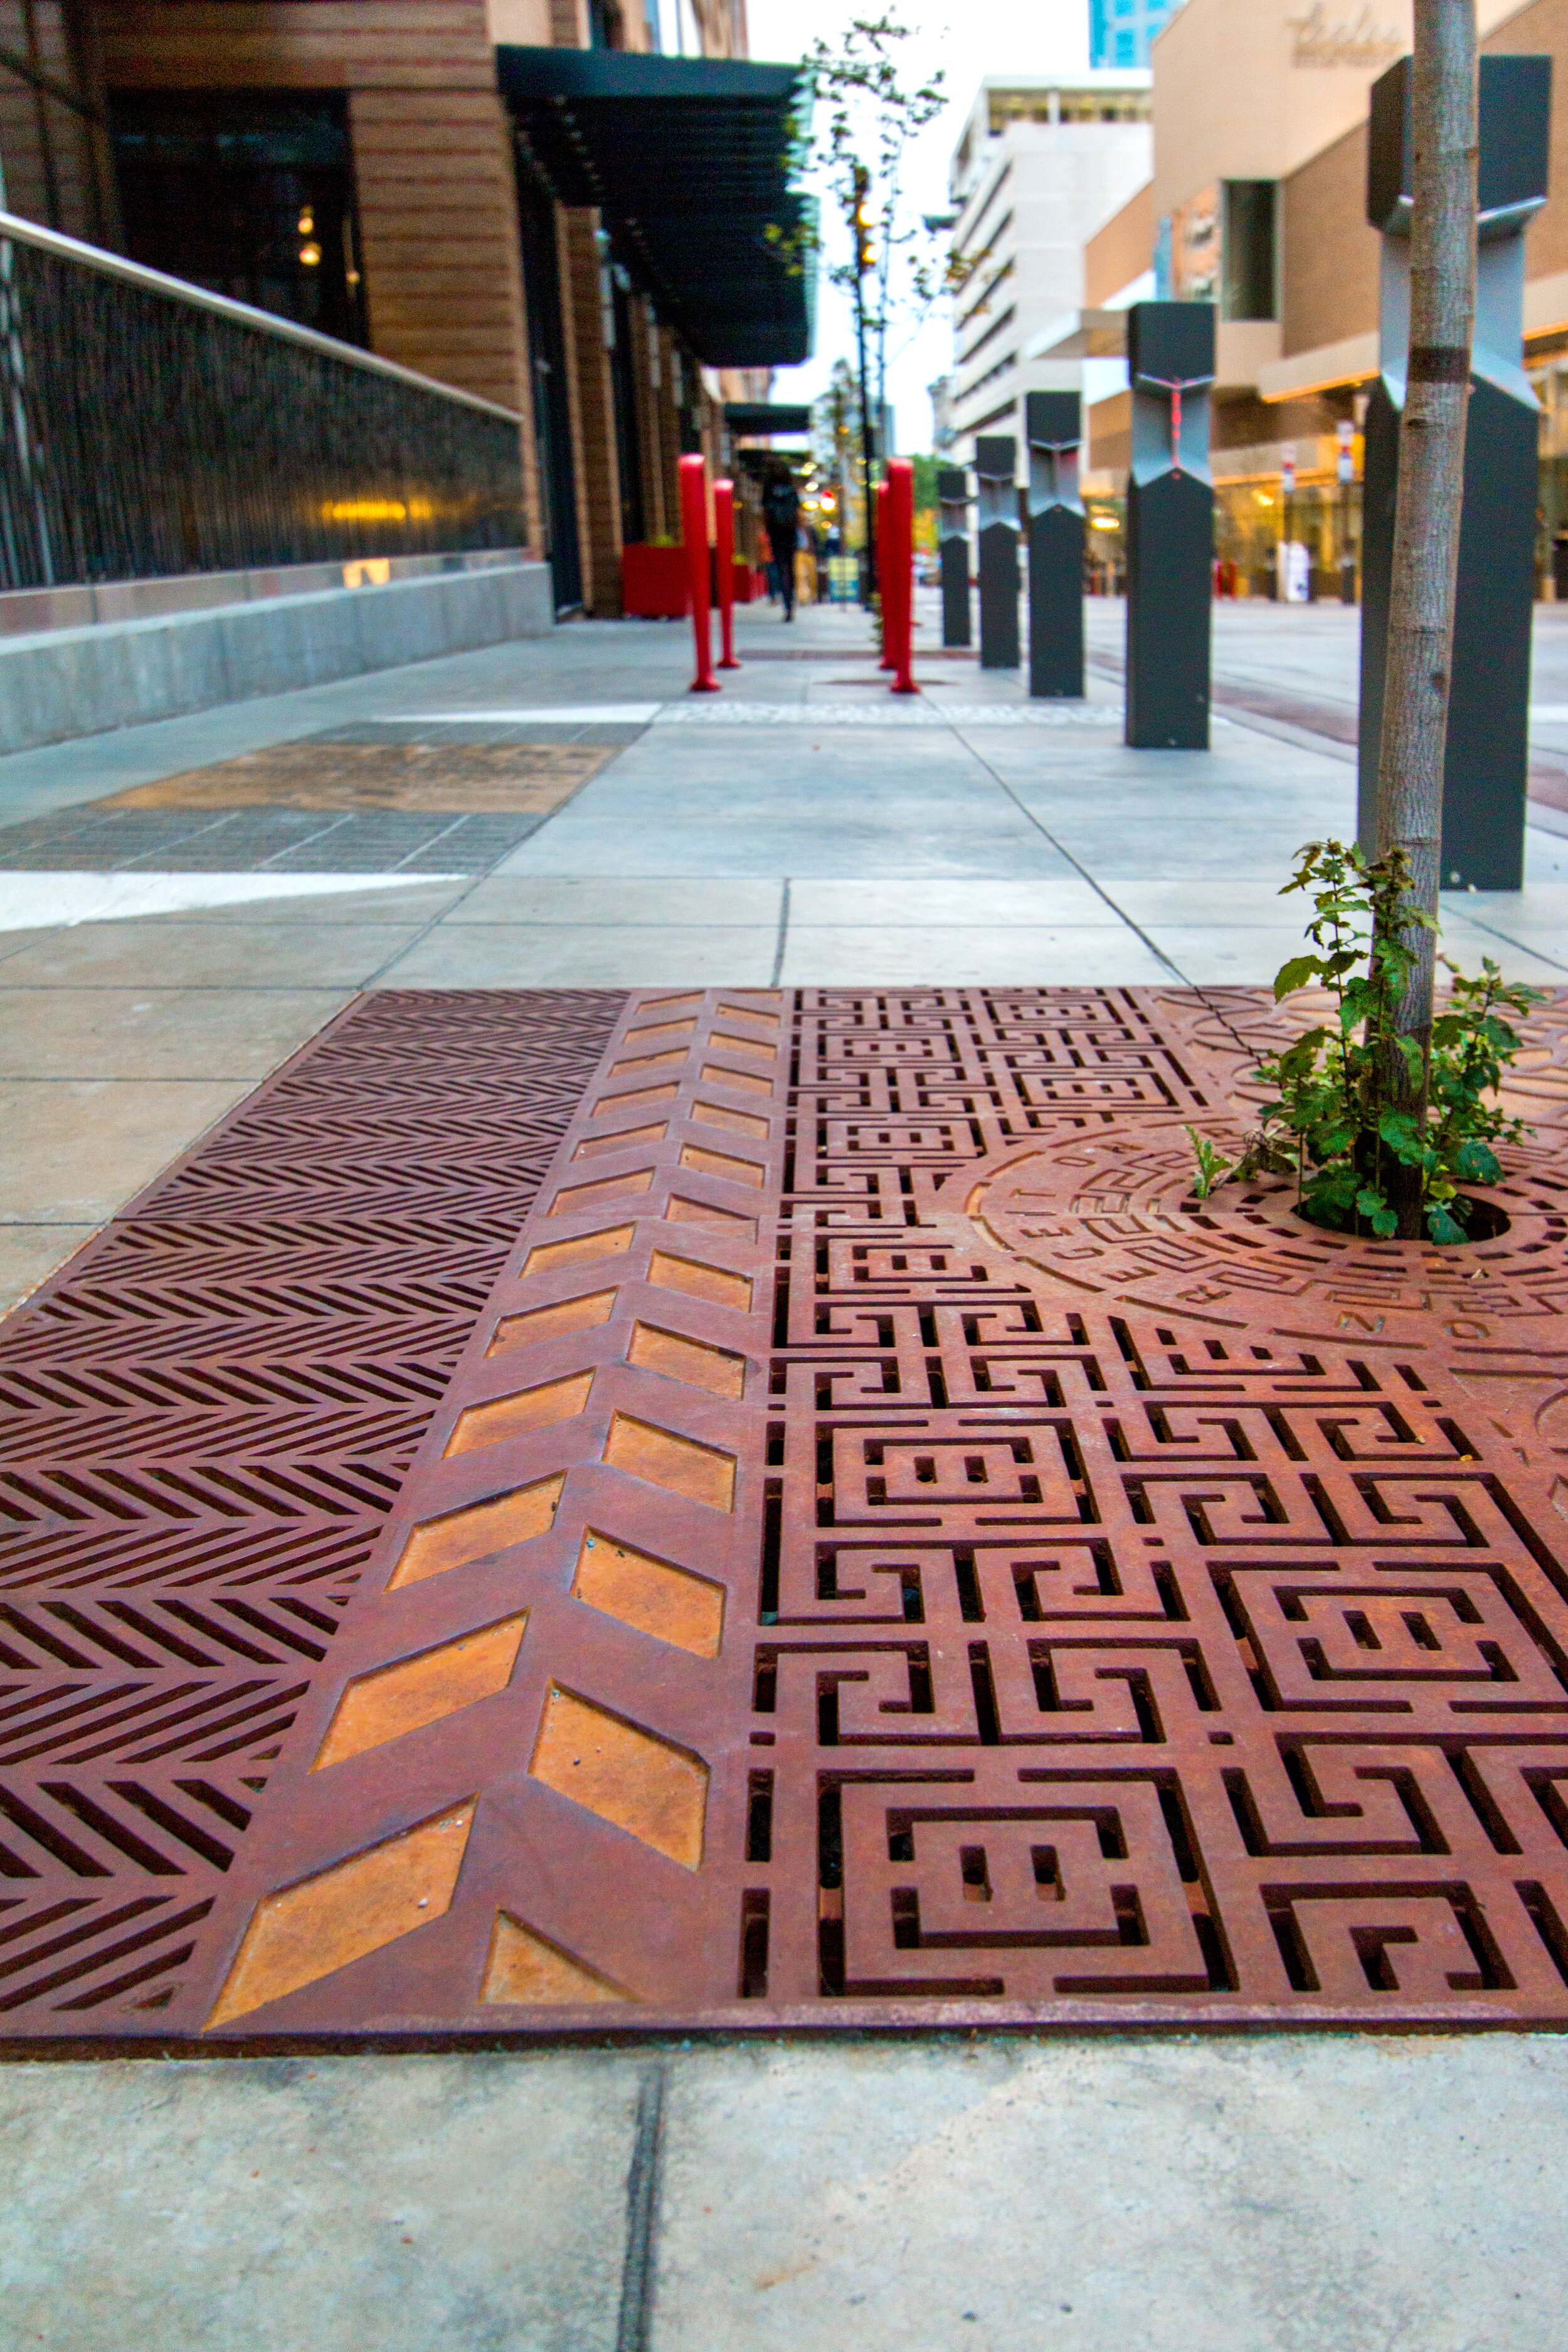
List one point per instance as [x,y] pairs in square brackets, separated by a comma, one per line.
[57,684]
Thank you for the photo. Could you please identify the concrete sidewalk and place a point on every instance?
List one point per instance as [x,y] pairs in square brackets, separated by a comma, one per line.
[805,828]
[1234,2193]
[1239,2193]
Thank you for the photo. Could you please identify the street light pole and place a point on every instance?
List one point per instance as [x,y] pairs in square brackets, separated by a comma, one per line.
[863,263]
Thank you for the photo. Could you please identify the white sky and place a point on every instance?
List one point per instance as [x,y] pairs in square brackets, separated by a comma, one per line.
[969,37]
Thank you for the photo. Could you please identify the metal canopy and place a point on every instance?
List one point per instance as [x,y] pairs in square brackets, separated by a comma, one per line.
[689,160]
[758,417]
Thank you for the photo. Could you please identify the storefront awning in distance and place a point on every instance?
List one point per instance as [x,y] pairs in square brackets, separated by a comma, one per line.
[689,163]
[754,419]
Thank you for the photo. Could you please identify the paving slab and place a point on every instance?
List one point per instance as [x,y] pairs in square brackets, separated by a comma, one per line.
[321,2205]
[595,902]
[1251,2194]
[72,1151]
[146,1031]
[599,955]
[190,953]
[993,903]
[868,955]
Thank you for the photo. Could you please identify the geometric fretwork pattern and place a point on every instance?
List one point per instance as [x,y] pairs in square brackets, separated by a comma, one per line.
[885,1553]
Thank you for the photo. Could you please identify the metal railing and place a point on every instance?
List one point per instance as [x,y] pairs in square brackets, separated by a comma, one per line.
[149,427]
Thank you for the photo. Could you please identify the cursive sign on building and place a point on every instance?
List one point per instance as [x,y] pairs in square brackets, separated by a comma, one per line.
[1361,41]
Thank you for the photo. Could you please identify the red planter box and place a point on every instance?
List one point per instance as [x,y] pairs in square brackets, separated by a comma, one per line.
[748,584]
[653,582]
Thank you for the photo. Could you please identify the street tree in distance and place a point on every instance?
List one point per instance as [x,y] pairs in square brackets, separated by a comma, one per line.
[864,117]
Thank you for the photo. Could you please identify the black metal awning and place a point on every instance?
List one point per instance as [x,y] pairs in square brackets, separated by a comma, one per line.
[690,161]
[756,418]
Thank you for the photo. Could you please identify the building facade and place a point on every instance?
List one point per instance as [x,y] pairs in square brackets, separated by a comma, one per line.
[356,165]
[1256,201]
[1040,162]
[1121,31]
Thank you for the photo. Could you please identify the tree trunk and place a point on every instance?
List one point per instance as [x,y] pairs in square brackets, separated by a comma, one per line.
[1427,520]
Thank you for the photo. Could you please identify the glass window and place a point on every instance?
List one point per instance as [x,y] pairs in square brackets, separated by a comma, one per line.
[1249,273]
[248,193]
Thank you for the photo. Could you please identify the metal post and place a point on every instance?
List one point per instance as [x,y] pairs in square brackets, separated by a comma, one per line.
[995,465]
[1283,574]
[952,492]
[1053,423]
[724,567]
[1170,525]
[694,535]
[879,543]
[1344,467]
[1486,768]
[898,570]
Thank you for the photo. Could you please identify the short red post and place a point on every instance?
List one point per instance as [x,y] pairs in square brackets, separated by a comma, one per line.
[694,535]
[898,573]
[881,542]
[724,562]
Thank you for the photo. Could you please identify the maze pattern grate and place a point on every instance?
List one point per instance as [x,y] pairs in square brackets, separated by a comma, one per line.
[885,1556]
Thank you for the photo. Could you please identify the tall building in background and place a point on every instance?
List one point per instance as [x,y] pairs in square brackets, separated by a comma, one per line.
[1119,31]
[1041,162]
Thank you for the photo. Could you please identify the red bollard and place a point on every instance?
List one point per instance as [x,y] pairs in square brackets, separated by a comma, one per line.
[694,535]
[724,562]
[880,541]
[898,573]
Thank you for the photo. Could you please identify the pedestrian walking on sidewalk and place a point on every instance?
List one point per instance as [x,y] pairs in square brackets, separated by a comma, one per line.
[781,514]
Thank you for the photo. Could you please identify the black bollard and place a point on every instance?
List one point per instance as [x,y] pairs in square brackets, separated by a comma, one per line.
[952,496]
[994,463]
[1486,765]
[1170,525]
[1053,425]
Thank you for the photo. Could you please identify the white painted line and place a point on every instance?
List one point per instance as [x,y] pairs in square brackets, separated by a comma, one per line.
[554,714]
[1553,713]
[37,902]
[889,713]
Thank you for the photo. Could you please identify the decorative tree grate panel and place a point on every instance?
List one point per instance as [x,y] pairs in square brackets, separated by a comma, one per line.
[885,1555]
[206,1418]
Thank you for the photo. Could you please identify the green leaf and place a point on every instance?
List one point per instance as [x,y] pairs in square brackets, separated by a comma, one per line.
[1296,974]
[1476,1163]
[1441,1225]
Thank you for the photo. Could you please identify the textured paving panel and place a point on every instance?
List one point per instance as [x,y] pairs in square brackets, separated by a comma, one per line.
[530,779]
[887,1556]
[207,1417]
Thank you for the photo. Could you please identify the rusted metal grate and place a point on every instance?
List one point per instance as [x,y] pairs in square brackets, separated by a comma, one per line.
[207,1416]
[887,1556]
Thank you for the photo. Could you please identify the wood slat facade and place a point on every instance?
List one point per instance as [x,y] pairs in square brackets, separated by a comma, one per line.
[435,204]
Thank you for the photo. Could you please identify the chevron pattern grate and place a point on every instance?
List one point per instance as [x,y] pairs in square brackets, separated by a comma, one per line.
[862,1547]
[207,1417]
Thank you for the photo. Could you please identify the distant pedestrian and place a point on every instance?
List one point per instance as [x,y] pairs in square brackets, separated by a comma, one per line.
[781,514]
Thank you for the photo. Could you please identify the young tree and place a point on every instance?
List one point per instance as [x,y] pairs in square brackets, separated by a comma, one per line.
[1426,535]
[867,118]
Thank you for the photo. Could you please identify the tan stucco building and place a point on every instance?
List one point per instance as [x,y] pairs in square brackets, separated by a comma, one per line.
[1256,201]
